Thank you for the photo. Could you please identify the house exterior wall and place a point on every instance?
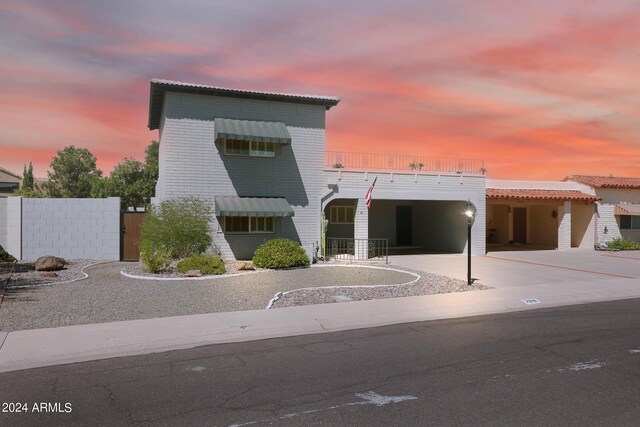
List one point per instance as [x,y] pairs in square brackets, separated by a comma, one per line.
[8,178]
[340,230]
[498,217]
[71,228]
[408,186]
[193,164]
[3,223]
[564,226]
[606,217]
[582,225]
[542,227]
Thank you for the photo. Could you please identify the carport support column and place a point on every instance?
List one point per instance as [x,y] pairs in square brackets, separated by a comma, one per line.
[564,226]
[361,229]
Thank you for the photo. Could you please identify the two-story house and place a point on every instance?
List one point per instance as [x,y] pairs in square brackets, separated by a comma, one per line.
[260,158]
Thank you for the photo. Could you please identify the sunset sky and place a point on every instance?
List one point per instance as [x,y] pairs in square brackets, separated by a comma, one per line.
[538,89]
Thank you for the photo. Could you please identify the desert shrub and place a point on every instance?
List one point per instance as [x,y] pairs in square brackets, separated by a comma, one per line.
[6,256]
[207,264]
[280,253]
[174,229]
[154,259]
[623,244]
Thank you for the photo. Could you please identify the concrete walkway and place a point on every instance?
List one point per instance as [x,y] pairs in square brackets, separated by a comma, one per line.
[553,279]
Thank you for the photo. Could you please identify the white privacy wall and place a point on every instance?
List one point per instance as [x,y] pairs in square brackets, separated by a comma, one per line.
[68,228]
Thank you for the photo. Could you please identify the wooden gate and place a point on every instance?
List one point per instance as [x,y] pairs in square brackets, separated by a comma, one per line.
[130,223]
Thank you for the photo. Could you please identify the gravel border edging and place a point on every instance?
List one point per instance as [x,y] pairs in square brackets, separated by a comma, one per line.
[279,295]
[212,276]
[39,285]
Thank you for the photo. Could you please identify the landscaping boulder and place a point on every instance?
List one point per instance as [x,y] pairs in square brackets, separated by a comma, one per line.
[193,273]
[246,265]
[49,263]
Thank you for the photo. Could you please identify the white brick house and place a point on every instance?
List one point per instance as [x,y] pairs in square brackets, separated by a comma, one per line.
[260,159]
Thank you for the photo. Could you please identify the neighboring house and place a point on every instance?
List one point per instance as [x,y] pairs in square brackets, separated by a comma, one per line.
[9,182]
[260,159]
[618,211]
[539,215]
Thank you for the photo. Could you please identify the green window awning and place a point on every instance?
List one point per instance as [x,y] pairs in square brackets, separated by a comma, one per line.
[250,130]
[252,206]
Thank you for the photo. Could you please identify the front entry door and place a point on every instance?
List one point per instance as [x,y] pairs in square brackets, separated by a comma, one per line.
[520,225]
[403,226]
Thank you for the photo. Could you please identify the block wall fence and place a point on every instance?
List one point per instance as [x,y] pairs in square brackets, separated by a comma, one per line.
[68,228]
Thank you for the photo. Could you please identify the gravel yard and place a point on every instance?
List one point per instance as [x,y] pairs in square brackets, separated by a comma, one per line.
[26,275]
[108,296]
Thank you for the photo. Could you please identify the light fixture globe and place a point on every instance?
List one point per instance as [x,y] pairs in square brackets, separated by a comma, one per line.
[470,212]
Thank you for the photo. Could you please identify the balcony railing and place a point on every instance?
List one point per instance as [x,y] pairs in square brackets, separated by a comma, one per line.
[339,160]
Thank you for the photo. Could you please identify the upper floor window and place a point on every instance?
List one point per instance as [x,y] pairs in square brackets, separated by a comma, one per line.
[237,147]
[630,222]
[342,214]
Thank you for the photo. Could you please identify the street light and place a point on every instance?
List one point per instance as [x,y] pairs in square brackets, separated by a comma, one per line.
[470,213]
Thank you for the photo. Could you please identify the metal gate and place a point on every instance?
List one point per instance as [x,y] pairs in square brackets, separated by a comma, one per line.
[130,223]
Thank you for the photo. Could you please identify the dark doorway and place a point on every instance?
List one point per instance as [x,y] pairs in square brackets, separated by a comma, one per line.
[520,225]
[404,224]
[130,234]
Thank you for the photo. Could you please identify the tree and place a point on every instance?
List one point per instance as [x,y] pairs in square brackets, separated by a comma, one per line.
[73,173]
[27,177]
[151,161]
[134,182]
[29,188]
[127,181]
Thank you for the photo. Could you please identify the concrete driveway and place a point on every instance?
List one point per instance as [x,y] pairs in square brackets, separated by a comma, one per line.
[516,269]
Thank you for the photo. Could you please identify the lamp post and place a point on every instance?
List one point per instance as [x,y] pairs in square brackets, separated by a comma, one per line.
[470,213]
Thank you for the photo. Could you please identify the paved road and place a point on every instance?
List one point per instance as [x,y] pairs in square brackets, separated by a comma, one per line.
[577,365]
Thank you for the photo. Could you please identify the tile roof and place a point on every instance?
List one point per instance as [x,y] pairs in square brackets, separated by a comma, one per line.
[605,181]
[160,86]
[531,194]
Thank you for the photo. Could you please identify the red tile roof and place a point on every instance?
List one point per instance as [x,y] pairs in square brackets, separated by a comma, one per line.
[505,193]
[605,181]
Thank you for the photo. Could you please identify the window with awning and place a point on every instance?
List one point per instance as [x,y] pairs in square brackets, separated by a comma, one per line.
[252,130]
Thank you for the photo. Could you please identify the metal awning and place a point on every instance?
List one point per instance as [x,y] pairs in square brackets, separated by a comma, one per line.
[250,130]
[626,209]
[252,206]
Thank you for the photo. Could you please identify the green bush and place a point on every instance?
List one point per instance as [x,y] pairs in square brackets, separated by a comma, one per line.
[174,229]
[154,259]
[6,256]
[207,264]
[623,245]
[280,253]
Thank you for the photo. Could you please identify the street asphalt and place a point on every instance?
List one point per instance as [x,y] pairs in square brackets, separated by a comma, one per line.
[575,365]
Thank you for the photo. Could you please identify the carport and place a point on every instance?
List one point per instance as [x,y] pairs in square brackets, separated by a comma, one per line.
[532,219]
[410,226]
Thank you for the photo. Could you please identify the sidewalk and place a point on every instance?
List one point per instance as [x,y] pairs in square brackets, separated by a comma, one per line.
[46,347]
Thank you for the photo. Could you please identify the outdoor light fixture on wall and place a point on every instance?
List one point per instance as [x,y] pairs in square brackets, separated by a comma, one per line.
[470,213]
[554,214]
